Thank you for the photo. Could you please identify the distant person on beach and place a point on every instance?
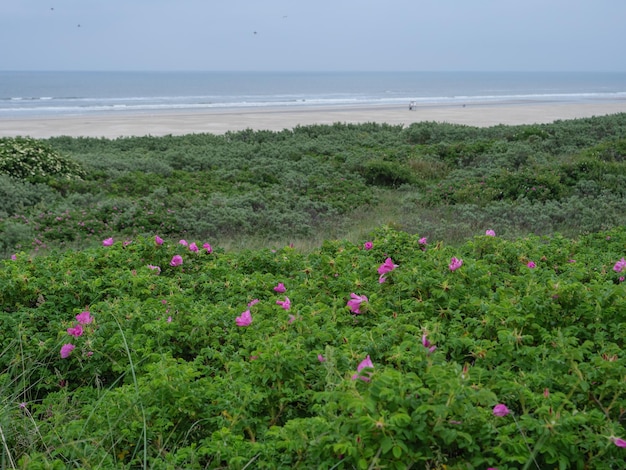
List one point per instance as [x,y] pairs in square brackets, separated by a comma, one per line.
[412,105]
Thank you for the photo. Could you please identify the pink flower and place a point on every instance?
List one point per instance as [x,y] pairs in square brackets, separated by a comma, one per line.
[455,263]
[13,257]
[207,247]
[177,260]
[75,331]
[158,240]
[280,288]
[365,363]
[531,265]
[618,442]
[22,405]
[253,302]
[183,242]
[155,268]
[384,268]
[66,350]
[490,233]
[620,265]
[107,242]
[169,319]
[423,241]
[355,302]
[292,318]
[244,319]
[428,344]
[368,245]
[286,304]
[84,318]
[193,247]
[321,358]
[501,410]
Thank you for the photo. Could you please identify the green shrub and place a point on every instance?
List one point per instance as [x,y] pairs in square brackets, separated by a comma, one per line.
[386,173]
[163,377]
[20,197]
[32,160]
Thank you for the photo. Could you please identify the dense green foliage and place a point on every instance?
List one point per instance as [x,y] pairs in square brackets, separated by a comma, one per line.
[167,377]
[164,378]
[340,181]
[31,160]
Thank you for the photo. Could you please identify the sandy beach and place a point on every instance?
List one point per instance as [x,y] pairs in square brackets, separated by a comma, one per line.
[276,119]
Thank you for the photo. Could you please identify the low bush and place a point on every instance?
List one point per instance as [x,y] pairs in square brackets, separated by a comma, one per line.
[398,352]
[32,160]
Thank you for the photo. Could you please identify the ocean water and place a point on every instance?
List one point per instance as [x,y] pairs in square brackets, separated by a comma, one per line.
[29,94]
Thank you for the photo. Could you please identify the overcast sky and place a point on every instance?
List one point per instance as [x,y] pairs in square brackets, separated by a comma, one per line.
[430,35]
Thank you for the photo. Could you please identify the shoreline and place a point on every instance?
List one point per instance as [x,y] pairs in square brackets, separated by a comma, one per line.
[220,121]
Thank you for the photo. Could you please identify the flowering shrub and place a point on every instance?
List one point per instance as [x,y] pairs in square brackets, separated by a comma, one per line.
[30,159]
[494,365]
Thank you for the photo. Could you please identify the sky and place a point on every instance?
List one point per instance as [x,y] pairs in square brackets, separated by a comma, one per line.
[320,35]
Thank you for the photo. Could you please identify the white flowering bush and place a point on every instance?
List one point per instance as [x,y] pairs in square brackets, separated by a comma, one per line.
[30,159]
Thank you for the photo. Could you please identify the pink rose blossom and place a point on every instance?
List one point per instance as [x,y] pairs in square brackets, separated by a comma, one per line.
[455,263]
[423,241]
[183,242]
[531,265]
[427,344]
[107,242]
[177,260]
[76,331]
[280,288]
[286,304]
[501,410]
[368,245]
[155,268]
[365,363]
[84,318]
[244,319]
[66,350]
[158,240]
[384,268]
[620,265]
[13,257]
[193,247]
[490,233]
[355,302]
[619,442]
[207,247]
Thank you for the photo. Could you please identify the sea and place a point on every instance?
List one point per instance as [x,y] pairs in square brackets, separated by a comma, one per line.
[45,94]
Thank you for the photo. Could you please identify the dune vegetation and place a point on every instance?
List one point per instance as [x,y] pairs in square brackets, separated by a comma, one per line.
[345,296]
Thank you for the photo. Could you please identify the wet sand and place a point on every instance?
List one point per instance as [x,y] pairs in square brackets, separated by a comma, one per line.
[277,119]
